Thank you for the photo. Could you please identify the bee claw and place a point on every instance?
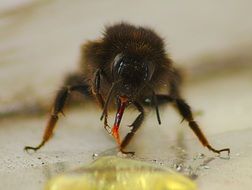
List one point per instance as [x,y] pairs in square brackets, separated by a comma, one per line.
[63,113]
[182,120]
[127,153]
[107,128]
[29,148]
[130,126]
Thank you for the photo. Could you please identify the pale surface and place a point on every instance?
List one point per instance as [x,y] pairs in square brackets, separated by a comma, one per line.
[80,134]
[40,43]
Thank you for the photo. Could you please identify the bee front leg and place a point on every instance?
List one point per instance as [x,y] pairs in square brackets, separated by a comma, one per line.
[134,127]
[59,104]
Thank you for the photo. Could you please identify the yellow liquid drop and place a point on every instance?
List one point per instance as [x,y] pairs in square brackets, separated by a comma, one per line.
[114,173]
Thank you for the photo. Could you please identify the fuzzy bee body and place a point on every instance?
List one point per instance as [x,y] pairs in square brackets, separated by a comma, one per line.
[127,65]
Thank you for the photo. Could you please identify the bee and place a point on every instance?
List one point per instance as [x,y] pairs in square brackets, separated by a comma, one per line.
[128,65]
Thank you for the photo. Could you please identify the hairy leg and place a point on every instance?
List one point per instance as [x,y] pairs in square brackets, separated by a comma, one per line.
[134,127]
[185,111]
[59,104]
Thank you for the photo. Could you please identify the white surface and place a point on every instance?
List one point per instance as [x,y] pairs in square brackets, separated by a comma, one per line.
[80,134]
[39,44]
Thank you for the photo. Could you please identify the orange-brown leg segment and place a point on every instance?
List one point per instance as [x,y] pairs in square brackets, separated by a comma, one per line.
[59,103]
[122,103]
[185,110]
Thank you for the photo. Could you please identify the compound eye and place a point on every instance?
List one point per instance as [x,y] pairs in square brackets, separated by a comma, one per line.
[148,69]
[117,66]
[145,72]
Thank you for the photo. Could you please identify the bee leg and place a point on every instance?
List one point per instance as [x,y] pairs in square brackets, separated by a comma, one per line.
[77,79]
[59,103]
[160,98]
[157,100]
[135,126]
[185,110]
[96,92]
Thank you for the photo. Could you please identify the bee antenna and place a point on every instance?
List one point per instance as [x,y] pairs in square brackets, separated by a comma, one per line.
[105,108]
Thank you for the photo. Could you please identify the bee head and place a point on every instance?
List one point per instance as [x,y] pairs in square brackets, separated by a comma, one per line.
[131,73]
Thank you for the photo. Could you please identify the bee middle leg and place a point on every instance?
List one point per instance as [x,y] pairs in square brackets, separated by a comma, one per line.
[59,104]
[134,127]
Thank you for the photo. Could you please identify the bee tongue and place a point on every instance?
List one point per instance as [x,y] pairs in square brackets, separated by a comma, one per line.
[122,105]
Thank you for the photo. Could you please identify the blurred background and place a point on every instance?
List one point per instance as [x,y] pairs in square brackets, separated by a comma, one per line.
[211,41]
